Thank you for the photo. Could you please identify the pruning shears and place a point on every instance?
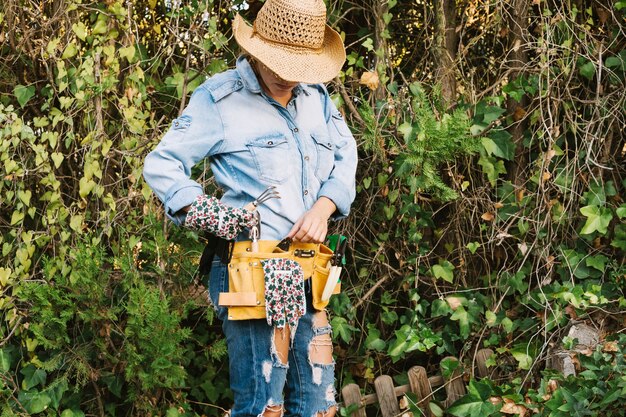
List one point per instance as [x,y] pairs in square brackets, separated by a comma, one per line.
[335,263]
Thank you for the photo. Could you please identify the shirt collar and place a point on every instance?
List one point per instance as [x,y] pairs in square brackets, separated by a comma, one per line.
[247,75]
[250,81]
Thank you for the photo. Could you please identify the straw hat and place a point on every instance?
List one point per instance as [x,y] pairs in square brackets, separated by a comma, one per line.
[292,39]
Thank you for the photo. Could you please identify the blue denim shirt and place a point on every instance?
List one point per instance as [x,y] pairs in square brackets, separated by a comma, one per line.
[306,150]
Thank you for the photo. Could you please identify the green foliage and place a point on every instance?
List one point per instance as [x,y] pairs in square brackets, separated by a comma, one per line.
[493,216]
[430,142]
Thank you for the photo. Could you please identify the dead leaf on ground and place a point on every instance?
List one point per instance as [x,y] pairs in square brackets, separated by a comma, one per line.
[571,312]
[488,216]
[510,407]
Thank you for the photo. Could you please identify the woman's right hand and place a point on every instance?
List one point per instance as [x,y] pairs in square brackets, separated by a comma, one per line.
[312,227]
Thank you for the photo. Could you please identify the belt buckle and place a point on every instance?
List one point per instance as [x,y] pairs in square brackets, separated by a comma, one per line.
[304,253]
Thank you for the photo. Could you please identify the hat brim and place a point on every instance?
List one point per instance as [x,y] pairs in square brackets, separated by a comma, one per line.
[292,63]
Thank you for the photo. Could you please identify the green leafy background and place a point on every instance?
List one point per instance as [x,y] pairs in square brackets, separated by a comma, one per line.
[490,210]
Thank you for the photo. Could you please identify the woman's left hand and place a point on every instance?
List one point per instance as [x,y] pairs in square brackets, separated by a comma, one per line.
[313,225]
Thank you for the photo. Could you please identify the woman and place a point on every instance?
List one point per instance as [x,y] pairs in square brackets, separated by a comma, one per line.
[268,123]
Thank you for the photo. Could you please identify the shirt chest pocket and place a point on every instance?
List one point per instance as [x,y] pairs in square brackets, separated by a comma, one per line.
[270,154]
[325,155]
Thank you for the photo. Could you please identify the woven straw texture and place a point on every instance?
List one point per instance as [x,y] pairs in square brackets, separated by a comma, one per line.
[292,39]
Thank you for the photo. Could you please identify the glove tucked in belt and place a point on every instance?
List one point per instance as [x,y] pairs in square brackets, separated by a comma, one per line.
[285,302]
[208,214]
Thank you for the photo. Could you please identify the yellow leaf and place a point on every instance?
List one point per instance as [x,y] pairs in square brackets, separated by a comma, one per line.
[16,217]
[5,277]
[370,79]
[25,196]
[488,217]
[85,187]
[70,51]
[76,223]
[57,158]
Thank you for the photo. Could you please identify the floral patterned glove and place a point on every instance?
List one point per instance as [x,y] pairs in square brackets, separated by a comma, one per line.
[208,214]
[285,302]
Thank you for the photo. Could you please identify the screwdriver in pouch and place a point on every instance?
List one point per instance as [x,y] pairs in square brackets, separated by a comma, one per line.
[335,268]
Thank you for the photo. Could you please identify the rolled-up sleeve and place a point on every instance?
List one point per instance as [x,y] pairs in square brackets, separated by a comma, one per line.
[196,134]
[340,187]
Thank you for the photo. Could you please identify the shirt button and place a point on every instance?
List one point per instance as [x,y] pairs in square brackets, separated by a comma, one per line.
[306,192]
[239,83]
[306,158]
[295,130]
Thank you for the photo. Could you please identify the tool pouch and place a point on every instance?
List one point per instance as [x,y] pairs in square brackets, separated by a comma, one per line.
[245,298]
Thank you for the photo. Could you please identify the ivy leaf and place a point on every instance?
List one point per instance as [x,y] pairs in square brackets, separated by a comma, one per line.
[448,366]
[373,340]
[398,346]
[598,219]
[588,70]
[444,271]
[368,44]
[440,308]
[70,51]
[524,360]
[492,168]
[615,62]
[621,211]
[598,262]
[461,315]
[6,358]
[56,393]
[435,409]
[492,113]
[80,30]
[504,145]
[516,281]
[34,402]
[514,90]
[473,247]
[23,94]
[406,129]
[342,328]
[32,377]
[476,403]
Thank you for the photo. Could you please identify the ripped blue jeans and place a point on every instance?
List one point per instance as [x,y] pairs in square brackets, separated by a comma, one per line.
[261,378]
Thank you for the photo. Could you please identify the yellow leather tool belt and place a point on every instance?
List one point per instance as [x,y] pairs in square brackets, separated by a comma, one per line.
[245,298]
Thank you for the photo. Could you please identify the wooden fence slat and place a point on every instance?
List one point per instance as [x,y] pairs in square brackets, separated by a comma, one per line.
[481,362]
[420,386]
[455,388]
[434,381]
[351,394]
[386,396]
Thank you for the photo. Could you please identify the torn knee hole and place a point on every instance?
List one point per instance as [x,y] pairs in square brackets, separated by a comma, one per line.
[273,411]
[321,350]
[328,413]
[280,344]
